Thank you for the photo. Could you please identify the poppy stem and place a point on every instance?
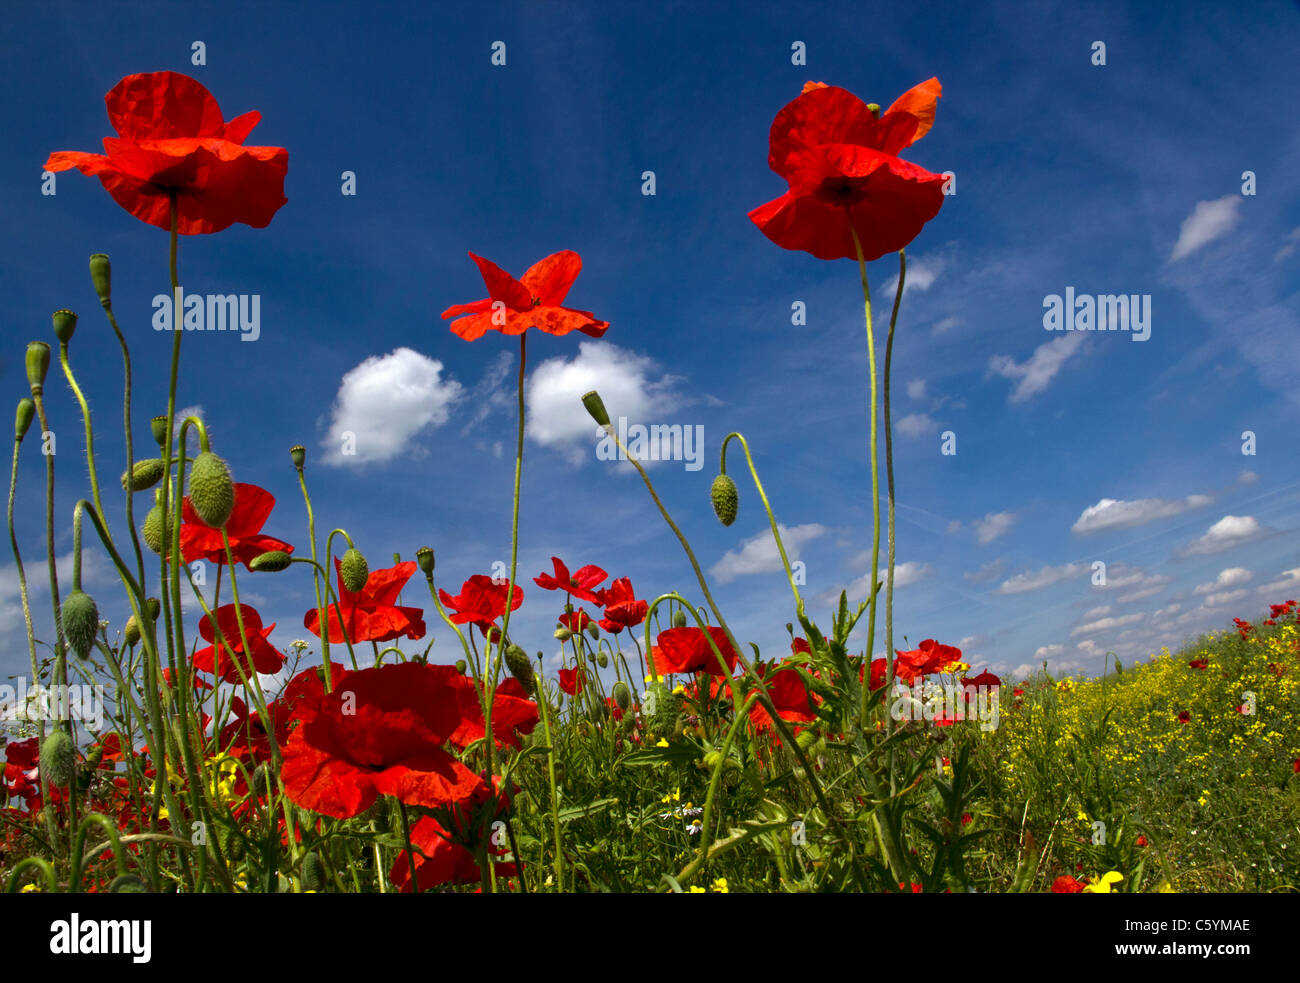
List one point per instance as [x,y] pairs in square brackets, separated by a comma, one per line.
[889,472]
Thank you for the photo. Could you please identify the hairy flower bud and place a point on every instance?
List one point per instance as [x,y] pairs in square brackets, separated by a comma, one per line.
[520,667]
[23,419]
[461,666]
[59,758]
[602,659]
[80,622]
[726,500]
[271,562]
[145,474]
[212,491]
[622,695]
[679,619]
[101,275]
[127,884]
[38,364]
[262,780]
[563,634]
[131,633]
[65,325]
[313,873]
[354,570]
[154,530]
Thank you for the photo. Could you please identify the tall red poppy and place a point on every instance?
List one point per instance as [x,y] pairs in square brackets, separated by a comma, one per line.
[688,650]
[841,162]
[381,731]
[171,138]
[266,658]
[533,301]
[481,601]
[371,614]
[622,609]
[253,505]
[927,658]
[581,583]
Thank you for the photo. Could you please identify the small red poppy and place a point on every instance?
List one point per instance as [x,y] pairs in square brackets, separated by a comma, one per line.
[581,584]
[622,609]
[534,300]
[928,658]
[266,658]
[571,680]
[253,505]
[370,614]
[688,650]
[481,601]
[1065,884]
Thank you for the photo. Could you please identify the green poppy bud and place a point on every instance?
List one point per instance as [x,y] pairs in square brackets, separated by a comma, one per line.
[59,758]
[679,618]
[593,629]
[38,364]
[563,634]
[602,659]
[65,325]
[520,667]
[232,844]
[101,275]
[127,883]
[298,454]
[145,474]
[461,666]
[313,873]
[212,491]
[354,570]
[154,530]
[80,622]
[622,695]
[271,562]
[23,420]
[262,780]
[131,633]
[596,407]
[424,557]
[158,427]
[726,500]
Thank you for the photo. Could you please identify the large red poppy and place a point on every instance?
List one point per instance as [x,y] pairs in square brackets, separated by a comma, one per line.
[622,609]
[581,583]
[481,601]
[371,614]
[533,301]
[383,731]
[440,859]
[924,660]
[253,505]
[266,658]
[171,138]
[789,695]
[688,650]
[841,163]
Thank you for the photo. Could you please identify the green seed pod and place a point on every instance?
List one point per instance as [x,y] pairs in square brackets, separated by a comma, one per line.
[153,530]
[23,419]
[354,570]
[212,492]
[602,659]
[298,454]
[59,758]
[461,666]
[158,427]
[65,325]
[313,873]
[145,474]
[679,619]
[593,629]
[80,622]
[563,634]
[127,884]
[38,364]
[726,500]
[520,667]
[233,846]
[131,633]
[596,407]
[261,780]
[101,275]
[622,695]
[272,562]
[424,557]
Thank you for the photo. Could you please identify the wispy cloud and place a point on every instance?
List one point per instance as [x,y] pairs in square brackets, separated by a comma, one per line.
[1035,374]
[1209,220]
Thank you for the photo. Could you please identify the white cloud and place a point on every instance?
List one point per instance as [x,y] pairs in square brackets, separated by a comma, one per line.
[1248,478]
[1225,597]
[385,403]
[1232,577]
[905,574]
[1112,513]
[921,275]
[916,388]
[993,525]
[1034,375]
[945,325]
[1032,580]
[1288,580]
[1048,652]
[1209,220]
[759,554]
[625,380]
[915,425]
[1230,531]
[1150,586]
[987,572]
[1102,624]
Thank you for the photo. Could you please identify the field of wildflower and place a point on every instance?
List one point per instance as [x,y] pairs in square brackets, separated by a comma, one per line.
[667,753]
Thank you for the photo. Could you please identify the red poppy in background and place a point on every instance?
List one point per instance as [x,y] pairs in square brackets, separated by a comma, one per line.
[22,776]
[1199,664]
[622,609]
[841,163]
[571,680]
[575,621]
[481,601]
[985,678]
[1185,717]
[171,139]
[789,695]
[580,584]
[382,731]
[927,658]
[371,614]
[533,301]
[266,658]
[439,860]
[688,650]
[253,505]
[1065,884]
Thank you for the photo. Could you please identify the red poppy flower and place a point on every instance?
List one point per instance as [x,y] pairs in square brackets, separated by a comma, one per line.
[789,695]
[878,673]
[266,659]
[481,601]
[928,658]
[985,678]
[1199,664]
[622,609]
[371,614]
[580,584]
[800,646]
[688,650]
[253,505]
[1185,717]
[1141,840]
[440,860]
[22,776]
[1065,884]
[571,680]
[533,301]
[383,731]
[575,621]
[841,163]
[1295,766]
[171,138]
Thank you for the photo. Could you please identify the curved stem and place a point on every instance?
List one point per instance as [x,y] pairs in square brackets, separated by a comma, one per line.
[889,472]
[776,533]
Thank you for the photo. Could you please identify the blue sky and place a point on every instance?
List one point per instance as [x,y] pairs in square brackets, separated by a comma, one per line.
[1071,447]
